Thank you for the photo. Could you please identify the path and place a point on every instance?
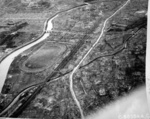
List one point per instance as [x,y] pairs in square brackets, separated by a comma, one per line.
[77,67]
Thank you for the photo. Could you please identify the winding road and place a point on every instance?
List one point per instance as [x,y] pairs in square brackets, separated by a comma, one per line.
[6,62]
[8,59]
[77,67]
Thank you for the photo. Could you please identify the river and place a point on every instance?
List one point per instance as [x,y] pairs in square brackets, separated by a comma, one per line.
[6,62]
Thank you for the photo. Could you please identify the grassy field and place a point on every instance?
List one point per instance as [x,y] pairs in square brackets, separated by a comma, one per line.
[44,57]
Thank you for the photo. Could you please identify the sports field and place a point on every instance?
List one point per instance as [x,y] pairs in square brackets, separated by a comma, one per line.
[44,57]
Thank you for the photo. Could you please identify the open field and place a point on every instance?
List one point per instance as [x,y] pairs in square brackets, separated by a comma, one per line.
[43,58]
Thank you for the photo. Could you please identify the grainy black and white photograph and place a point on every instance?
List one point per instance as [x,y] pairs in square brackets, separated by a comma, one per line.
[74,59]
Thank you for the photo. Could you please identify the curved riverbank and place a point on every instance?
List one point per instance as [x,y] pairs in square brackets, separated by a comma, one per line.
[8,59]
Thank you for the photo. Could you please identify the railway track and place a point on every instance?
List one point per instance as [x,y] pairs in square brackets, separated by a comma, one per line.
[27,95]
[15,107]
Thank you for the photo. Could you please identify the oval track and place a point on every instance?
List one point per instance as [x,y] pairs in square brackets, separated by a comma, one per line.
[7,60]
